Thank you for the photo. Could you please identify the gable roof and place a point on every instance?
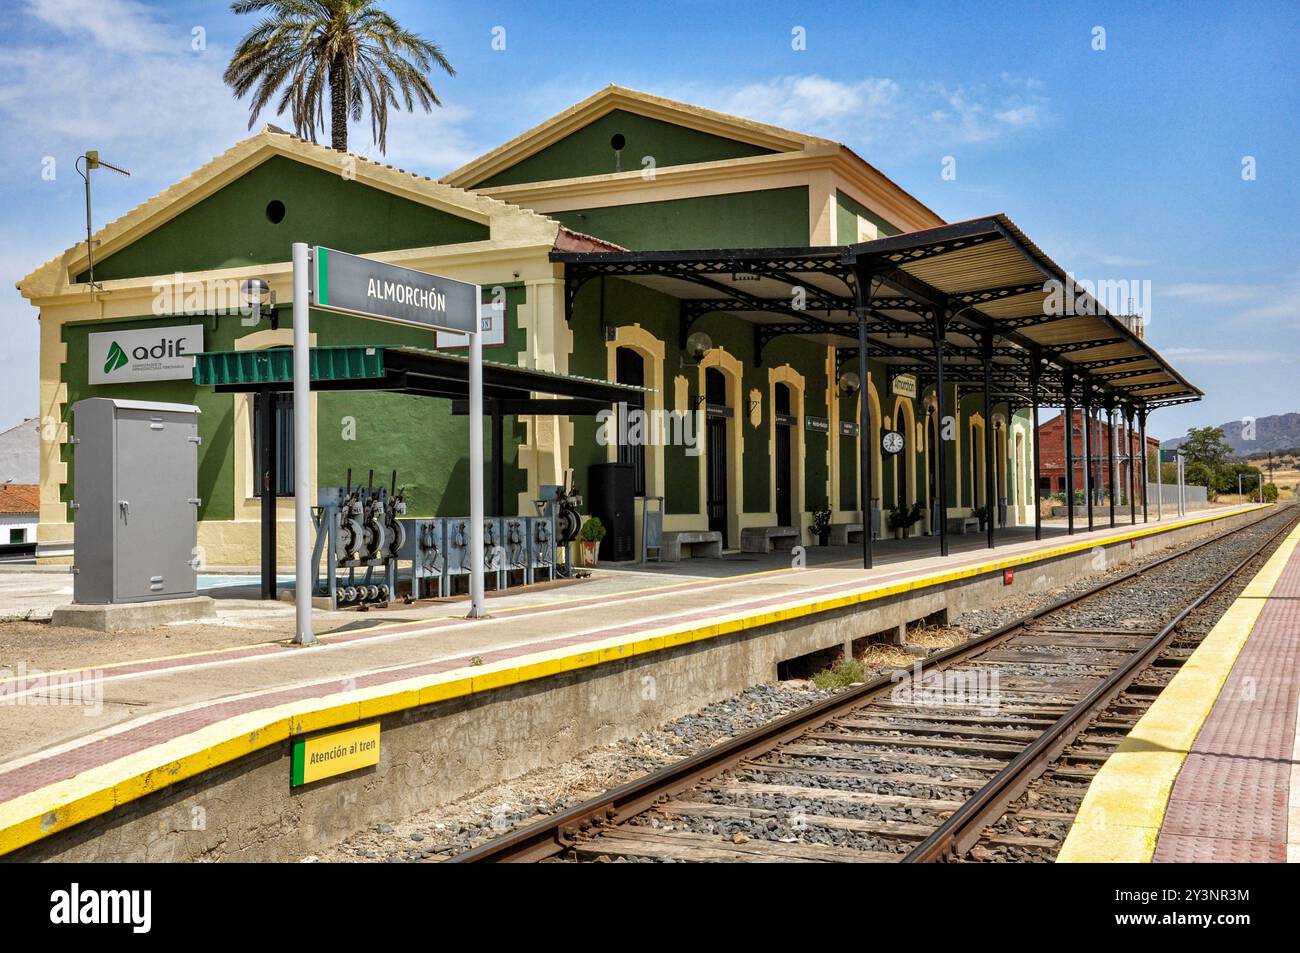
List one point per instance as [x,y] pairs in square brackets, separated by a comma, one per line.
[613,98]
[508,223]
[787,144]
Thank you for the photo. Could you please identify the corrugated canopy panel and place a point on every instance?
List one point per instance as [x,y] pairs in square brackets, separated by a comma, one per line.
[985,275]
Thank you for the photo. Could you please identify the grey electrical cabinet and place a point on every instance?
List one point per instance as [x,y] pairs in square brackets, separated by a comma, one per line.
[135,500]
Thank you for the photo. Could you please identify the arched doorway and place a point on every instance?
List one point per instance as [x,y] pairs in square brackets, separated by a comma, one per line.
[785,423]
[978,490]
[630,369]
[932,476]
[716,413]
[905,489]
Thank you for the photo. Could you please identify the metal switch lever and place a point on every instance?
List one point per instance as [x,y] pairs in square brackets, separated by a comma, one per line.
[124,506]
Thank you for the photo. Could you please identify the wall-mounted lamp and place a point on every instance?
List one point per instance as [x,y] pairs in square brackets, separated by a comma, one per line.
[697,345]
[259,297]
[849,384]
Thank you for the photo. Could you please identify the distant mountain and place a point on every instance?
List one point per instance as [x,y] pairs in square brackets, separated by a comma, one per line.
[1278,432]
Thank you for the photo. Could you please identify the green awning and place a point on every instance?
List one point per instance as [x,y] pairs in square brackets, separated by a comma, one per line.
[411,370]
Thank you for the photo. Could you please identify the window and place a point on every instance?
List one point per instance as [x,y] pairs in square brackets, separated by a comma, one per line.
[283,410]
[18,535]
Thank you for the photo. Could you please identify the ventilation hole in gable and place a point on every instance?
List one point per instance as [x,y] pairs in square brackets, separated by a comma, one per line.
[618,141]
[275,211]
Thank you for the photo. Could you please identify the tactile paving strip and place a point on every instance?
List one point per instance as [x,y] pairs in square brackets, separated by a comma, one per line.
[1229,803]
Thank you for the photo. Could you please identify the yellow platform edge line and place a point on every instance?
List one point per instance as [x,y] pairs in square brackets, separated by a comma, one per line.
[1124,808]
[63,804]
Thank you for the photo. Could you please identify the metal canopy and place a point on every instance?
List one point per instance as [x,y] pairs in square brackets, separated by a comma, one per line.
[976,277]
[411,370]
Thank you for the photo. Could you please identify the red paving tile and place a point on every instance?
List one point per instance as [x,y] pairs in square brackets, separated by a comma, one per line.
[1229,803]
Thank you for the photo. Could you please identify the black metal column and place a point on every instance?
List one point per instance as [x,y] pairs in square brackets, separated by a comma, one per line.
[1035,368]
[986,357]
[1068,418]
[1110,460]
[1132,464]
[1087,451]
[940,327]
[265,401]
[864,426]
[1142,443]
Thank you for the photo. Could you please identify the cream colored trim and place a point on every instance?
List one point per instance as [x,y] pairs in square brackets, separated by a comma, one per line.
[734,372]
[652,350]
[612,98]
[904,415]
[785,374]
[976,459]
[509,224]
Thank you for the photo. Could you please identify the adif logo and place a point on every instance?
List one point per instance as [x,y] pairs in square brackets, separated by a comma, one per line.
[116,358]
[75,906]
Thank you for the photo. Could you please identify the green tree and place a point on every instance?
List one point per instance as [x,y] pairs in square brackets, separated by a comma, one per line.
[1207,445]
[350,48]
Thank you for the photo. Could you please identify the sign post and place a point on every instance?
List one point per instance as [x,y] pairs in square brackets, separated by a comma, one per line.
[337,281]
[303,581]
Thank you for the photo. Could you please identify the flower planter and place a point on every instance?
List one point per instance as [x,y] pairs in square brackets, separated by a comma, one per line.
[588,554]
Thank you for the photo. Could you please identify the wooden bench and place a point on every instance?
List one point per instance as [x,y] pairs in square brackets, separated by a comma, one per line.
[961,524]
[766,539]
[698,542]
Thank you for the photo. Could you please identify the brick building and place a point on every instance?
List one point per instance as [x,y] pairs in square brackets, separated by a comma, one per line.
[1051,440]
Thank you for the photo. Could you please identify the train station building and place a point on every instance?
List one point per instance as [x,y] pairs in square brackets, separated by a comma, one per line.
[833,344]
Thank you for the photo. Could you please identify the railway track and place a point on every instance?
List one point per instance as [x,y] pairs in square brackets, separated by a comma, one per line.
[981,753]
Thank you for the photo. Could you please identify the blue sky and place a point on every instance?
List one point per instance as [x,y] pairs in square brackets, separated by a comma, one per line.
[1122,163]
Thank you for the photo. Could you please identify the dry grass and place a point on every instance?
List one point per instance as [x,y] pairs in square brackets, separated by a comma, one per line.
[938,636]
[885,656]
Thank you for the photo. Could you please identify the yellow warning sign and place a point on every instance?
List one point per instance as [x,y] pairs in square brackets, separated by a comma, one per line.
[323,756]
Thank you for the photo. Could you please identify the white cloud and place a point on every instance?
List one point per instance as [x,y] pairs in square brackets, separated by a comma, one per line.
[882,112]
[124,26]
[1276,301]
[122,81]
[1224,356]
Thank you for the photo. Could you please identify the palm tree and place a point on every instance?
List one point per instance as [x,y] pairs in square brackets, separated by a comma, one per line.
[351,47]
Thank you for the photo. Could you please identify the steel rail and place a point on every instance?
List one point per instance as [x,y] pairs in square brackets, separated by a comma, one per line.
[553,835]
[965,826]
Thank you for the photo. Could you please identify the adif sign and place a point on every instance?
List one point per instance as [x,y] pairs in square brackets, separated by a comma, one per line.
[144,354]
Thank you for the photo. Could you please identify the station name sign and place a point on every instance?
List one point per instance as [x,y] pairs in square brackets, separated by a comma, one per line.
[904,385]
[373,289]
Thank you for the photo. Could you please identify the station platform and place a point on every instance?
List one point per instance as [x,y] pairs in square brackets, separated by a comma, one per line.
[80,742]
[1211,773]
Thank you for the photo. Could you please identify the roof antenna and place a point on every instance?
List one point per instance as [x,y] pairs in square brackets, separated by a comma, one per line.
[93,161]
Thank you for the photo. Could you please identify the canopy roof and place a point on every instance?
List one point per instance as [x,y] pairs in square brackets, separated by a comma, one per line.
[972,278]
[413,370]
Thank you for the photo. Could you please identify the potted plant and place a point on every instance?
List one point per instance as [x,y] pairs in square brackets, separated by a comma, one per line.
[821,526]
[903,519]
[589,537]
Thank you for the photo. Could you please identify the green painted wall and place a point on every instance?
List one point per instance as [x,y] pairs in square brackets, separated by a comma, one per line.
[588,150]
[418,436]
[230,228]
[846,225]
[627,303]
[772,218]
